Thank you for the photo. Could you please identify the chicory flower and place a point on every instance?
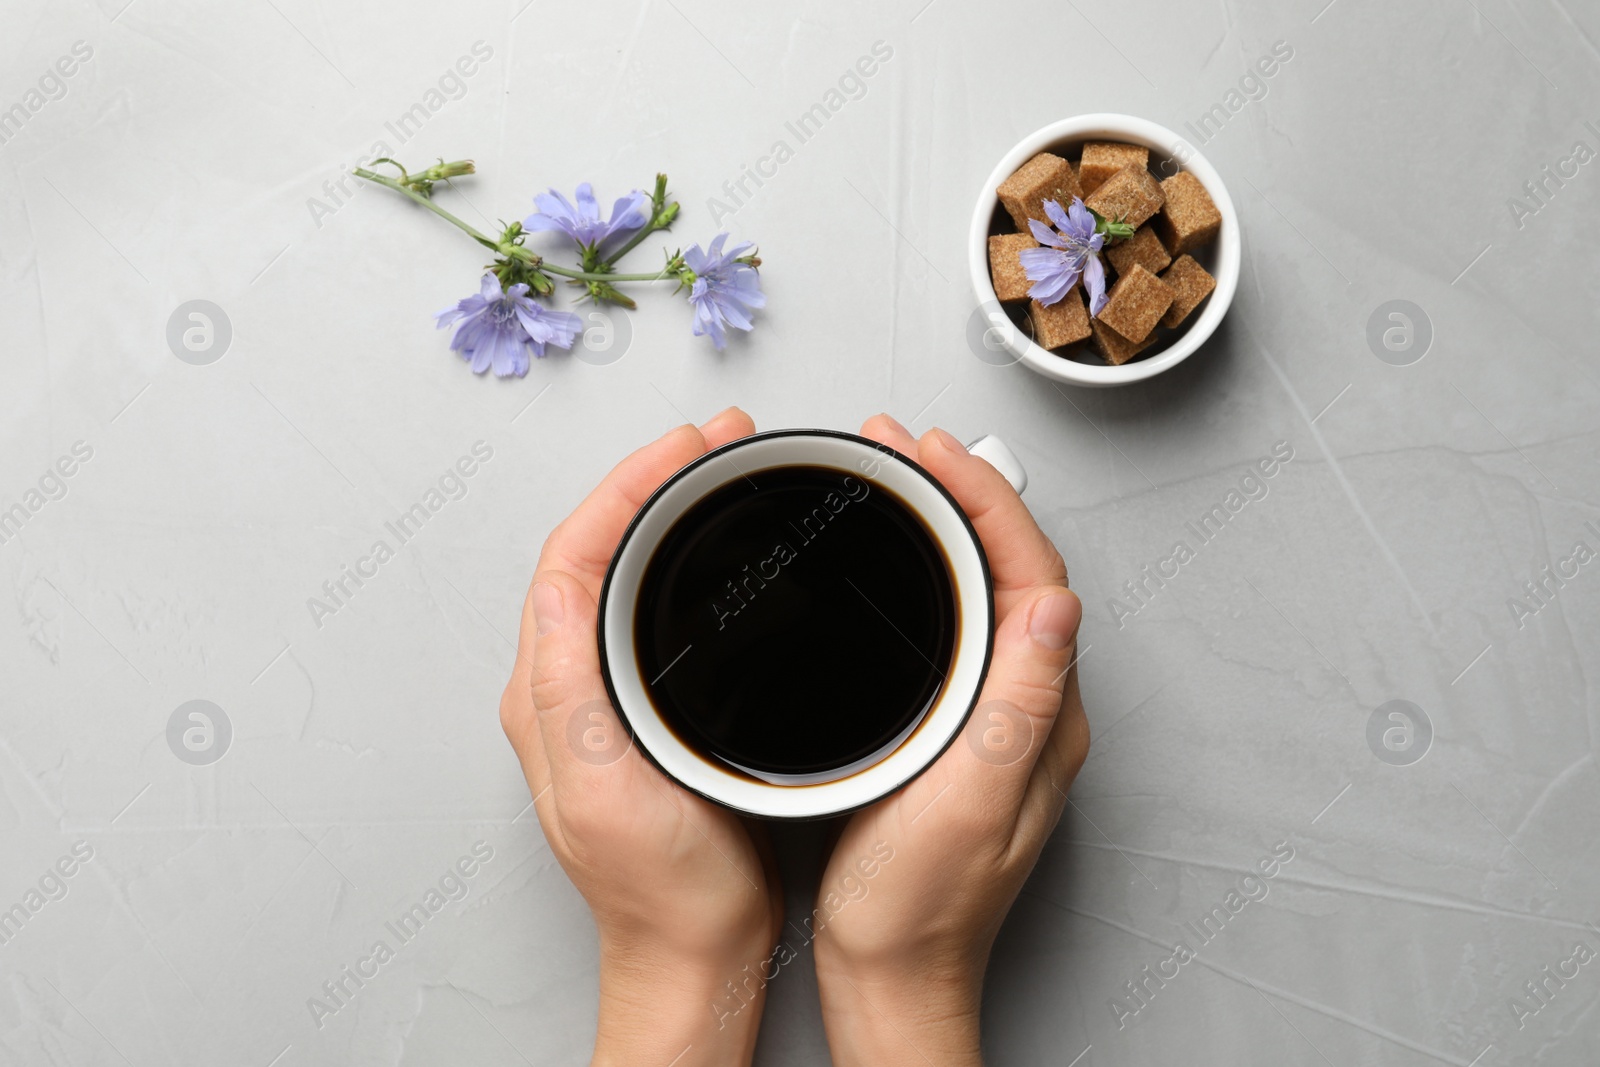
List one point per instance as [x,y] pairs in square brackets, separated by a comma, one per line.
[582,222]
[1070,251]
[495,328]
[724,288]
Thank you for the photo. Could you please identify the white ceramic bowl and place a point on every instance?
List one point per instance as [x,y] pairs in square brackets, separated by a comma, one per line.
[1169,153]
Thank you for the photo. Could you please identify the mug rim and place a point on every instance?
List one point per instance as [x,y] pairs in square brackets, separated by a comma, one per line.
[971,702]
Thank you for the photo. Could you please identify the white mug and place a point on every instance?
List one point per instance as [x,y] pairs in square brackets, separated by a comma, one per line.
[848,788]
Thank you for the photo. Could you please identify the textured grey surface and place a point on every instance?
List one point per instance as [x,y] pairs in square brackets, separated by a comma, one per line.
[1228,714]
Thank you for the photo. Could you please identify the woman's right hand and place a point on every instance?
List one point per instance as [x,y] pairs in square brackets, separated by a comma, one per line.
[900,969]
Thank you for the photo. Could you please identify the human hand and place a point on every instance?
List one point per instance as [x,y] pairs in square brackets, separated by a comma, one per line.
[900,964]
[683,896]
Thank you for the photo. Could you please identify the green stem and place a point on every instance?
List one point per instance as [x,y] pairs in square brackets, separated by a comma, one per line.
[633,242]
[509,250]
[362,172]
[589,276]
[662,216]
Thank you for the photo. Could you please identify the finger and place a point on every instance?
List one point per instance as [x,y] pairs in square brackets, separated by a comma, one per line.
[1017,711]
[584,744]
[517,717]
[1059,763]
[730,424]
[1021,557]
[583,543]
[886,431]
[768,856]
[1068,746]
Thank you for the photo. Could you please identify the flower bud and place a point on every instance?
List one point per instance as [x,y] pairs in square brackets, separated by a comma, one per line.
[443,171]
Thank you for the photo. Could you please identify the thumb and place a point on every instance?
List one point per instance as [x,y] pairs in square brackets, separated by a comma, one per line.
[581,732]
[1021,697]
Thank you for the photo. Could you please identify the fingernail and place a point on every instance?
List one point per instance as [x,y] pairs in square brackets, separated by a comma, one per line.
[894,422]
[548,610]
[1055,620]
[949,442]
[718,417]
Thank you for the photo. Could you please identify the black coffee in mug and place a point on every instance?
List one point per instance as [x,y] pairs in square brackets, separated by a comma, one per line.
[797,621]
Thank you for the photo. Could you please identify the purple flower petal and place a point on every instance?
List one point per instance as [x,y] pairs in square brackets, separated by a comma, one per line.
[545,327]
[1080,220]
[735,314]
[1052,272]
[1051,290]
[588,206]
[1094,281]
[478,358]
[706,319]
[629,213]
[1038,263]
[555,213]
[1062,220]
[508,356]
[1045,235]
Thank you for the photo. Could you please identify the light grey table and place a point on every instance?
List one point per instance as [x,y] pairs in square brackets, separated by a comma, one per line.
[196,154]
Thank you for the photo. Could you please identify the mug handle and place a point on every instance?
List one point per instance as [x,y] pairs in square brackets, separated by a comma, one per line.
[1001,458]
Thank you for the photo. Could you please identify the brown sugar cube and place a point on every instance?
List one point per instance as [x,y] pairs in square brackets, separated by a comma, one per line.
[1190,283]
[1114,348]
[1190,217]
[1044,177]
[1005,265]
[1102,159]
[1062,323]
[1130,195]
[1143,248]
[1136,303]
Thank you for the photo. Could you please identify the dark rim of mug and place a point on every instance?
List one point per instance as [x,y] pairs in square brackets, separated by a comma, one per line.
[877,446]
